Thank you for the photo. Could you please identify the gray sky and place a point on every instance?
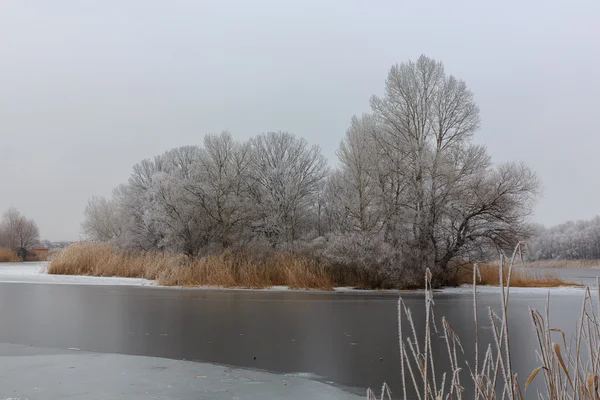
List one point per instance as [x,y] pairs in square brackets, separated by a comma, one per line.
[89,88]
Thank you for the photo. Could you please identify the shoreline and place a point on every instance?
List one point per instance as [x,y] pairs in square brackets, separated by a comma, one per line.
[34,272]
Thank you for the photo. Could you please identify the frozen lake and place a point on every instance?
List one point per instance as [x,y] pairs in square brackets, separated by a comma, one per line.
[347,339]
[343,338]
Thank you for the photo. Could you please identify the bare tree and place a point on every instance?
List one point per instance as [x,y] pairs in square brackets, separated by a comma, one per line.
[356,188]
[219,186]
[434,183]
[488,211]
[181,225]
[286,176]
[18,231]
[410,183]
[102,219]
[140,229]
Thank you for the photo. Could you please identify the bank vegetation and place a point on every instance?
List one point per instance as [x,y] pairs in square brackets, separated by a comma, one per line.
[258,269]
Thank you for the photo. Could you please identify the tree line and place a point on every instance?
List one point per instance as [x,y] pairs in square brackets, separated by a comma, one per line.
[411,189]
[570,241]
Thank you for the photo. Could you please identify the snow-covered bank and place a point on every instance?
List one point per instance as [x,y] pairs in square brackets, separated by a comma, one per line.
[35,272]
[468,289]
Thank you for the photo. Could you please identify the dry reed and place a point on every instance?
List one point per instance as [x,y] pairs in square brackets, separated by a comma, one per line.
[521,276]
[223,270]
[7,255]
[570,370]
[241,269]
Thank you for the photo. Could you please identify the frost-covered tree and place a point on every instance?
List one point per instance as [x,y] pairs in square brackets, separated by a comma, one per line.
[17,231]
[181,225]
[410,183]
[219,187]
[355,189]
[426,121]
[155,212]
[439,193]
[286,176]
[140,228]
[102,219]
[571,240]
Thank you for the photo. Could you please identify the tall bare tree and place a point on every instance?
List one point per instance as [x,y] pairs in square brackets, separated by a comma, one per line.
[181,225]
[410,184]
[286,176]
[219,186]
[140,228]
[355,189]
[437,185]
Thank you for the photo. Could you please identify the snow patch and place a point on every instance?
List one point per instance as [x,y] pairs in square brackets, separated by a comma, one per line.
[468,289]
[35,272]
[304,375]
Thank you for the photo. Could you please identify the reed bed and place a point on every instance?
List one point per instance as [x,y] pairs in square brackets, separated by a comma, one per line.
[224,270]
[243,269]
[7,255]
[521,276]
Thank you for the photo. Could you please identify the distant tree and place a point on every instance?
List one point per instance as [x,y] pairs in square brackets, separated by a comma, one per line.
[18,232]
[570,240]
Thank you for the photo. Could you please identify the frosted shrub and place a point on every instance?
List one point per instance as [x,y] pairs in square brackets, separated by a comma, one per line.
[368,257]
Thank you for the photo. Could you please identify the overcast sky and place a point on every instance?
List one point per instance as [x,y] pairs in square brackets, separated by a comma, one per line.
[89,88]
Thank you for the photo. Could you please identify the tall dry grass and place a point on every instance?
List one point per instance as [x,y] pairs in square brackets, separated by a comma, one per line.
[243,270]
[101,259]
[224,270]
[520,277]
[7,255]
[569,369]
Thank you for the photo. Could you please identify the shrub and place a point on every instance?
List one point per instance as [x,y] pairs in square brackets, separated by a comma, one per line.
[363,260]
